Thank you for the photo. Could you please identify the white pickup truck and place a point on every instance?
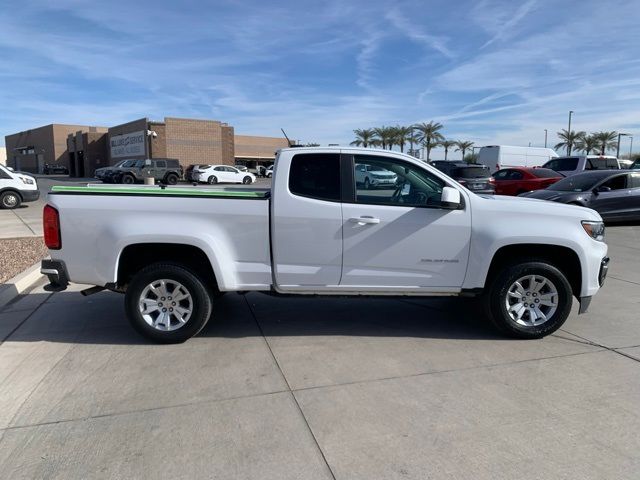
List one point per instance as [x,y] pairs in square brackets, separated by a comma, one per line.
[174,250]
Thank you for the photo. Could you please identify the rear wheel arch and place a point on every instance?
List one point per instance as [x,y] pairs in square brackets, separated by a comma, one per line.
[563,258]
[135,257]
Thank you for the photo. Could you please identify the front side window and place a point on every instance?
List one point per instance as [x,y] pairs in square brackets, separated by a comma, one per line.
[161,164]
[562,164]
[390,181]
[596,164]
[616,183]
[315,175]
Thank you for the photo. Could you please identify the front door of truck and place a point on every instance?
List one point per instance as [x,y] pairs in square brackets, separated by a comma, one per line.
[399,236]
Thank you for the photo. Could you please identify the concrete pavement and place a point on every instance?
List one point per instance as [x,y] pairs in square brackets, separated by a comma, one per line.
[323,388]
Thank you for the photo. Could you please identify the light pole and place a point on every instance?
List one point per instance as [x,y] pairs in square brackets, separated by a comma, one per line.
[545,138]
[569,134]
[631,147]
[618,149]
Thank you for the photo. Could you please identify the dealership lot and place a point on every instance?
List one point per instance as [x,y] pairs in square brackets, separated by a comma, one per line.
[321,388]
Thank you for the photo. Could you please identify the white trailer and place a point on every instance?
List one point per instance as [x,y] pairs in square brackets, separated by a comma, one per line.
[504,156]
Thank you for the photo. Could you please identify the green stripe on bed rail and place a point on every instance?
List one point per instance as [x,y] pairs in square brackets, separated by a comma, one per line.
[152,190]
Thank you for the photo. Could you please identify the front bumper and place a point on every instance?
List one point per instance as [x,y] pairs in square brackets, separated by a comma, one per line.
[56,272]
[602,275]
[30,195]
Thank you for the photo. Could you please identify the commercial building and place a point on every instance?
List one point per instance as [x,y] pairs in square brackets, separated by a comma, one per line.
[82,148]
[30,150]
[3,156]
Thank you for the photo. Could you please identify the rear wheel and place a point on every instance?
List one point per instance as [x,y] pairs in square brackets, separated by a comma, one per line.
[167,303]
[212,180]
[10,200]
[530,299]
[246,180]
[172,179]
[128,179]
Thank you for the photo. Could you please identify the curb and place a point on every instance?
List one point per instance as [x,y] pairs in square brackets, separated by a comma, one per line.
[18,284]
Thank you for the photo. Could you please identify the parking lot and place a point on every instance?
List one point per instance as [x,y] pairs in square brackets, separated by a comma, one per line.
[323,388]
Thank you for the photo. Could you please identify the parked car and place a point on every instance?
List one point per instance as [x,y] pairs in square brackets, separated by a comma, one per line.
[625,163]
[475,177]
[514,181]
[53,169]
[580,163]
[16,187]
[497,157]
[374,176]
[269,171]
[242,168]
[315,233]
[166,170]
[635,165]
[213,174]
[615,195]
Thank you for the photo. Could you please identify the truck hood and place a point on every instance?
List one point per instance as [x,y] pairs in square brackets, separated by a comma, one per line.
[535,206]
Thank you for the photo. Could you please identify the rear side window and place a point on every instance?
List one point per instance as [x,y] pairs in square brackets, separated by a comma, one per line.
[596,164]
[161,164]
[315,175]
[562,164]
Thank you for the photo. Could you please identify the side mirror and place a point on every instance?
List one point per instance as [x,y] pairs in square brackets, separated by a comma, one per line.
[601,188]
[450,198]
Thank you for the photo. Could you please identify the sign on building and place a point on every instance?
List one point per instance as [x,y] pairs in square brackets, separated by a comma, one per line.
[128,145]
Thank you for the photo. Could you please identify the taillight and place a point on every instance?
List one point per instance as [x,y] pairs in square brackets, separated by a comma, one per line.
[51,226]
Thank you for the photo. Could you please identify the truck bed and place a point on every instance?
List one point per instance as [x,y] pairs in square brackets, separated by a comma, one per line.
[232,222]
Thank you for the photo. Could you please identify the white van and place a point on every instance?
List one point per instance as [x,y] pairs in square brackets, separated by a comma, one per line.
[503,156]
[16,188]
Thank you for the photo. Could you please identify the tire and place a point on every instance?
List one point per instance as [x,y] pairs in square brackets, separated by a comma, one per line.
[367,184]
[555,289]
[212,180]
[247,180]
[168,329]
[10,200]
[128,179]
[171,179]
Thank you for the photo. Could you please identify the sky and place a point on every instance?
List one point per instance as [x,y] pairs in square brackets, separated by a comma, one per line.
[491,71]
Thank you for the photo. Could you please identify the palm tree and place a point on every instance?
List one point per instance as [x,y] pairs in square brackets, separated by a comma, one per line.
[568,139]
[384,136]
[447,144]
[402,136]
[587,144]
[463,146]
[606,141]
[413,139]
[429,135]
[363,137]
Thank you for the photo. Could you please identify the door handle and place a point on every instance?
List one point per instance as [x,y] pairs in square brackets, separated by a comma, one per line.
[365,219]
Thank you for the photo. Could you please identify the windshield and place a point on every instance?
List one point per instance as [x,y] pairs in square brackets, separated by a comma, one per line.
[471,172]
[575,183]
[545,173]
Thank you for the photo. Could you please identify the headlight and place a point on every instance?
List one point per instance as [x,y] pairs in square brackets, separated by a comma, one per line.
[27,181]
[594,229]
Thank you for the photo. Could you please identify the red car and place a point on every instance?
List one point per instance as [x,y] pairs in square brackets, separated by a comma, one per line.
[517,180]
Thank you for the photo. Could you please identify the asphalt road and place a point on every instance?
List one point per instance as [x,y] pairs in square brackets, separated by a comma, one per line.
[306,388]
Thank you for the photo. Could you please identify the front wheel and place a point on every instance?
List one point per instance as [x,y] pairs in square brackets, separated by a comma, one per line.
[527,300]
[10,200]
[246,180]
[128,180]
[167,303]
